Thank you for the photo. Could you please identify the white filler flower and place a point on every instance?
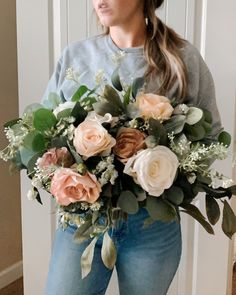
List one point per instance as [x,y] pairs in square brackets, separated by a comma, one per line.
[153,169]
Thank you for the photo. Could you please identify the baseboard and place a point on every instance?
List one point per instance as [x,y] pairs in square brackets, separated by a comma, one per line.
[11,274]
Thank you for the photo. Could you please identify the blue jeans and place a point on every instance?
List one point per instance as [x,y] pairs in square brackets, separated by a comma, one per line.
[147,259]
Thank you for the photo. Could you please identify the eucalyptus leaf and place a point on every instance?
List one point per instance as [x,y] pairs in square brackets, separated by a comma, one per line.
[87,258]
[115,79]
[157,130]
[207,116]
[196,214]
[193,115]
[79,93]
[175,124]
[158,209]
[212,210]
[175,195]
[229,220]
[26,155]
[225,138]
[108,252]
[195,132]
[52,101]
[44,120]
[128,202]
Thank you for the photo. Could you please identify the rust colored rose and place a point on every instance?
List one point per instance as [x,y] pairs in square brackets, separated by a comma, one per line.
[128,142]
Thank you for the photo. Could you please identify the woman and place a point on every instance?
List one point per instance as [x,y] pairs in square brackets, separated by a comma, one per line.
[142,45]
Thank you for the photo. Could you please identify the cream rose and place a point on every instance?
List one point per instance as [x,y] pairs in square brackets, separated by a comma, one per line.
[128,142]
[91,139]
[68,186]
[153,169]
[154,106]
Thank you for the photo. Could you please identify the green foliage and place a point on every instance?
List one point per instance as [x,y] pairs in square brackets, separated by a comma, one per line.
[78,113]
[115,79]
[108,252]
[175,195]
[35,141]
[26,155]
[229,220]
[32,108]
[103,107]
[128,202]
[53,101]
[44,120]
[76,156]
[79,93]
[212,210]
[127,96]
[175,124]
[195,213]
[87,258]
[11,123]
[137,85]
[193,115]
[83,232]
[160,209]
[64,114]
[225,138]
[157,130]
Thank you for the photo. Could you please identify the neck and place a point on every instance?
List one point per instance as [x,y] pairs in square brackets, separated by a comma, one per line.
[128,36]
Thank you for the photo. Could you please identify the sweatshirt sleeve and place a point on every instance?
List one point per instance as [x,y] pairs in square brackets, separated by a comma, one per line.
[54,82]
[207,98]
[201,87]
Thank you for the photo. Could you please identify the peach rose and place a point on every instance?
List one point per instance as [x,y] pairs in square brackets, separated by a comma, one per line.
[154,106]
[128,142]
[54,156]
[91,139]
[68,186]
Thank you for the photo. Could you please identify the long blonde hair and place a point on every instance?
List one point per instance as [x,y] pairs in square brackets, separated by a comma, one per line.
[162,52]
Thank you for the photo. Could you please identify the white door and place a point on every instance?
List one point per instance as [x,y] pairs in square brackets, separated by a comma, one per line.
[44,29]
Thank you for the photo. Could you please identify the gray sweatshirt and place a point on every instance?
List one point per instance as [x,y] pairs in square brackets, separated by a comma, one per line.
[97,53]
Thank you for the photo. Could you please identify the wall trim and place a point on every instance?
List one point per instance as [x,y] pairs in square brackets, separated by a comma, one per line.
[11,274]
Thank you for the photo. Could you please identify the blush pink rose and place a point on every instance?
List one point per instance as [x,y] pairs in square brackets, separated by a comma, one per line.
[128,142]
[54,156]
[91,139]
[68,186]
[154,106]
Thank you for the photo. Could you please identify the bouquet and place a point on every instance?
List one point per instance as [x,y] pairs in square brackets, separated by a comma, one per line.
[114,149]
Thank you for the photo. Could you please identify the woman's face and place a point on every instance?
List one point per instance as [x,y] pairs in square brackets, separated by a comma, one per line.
[118,12]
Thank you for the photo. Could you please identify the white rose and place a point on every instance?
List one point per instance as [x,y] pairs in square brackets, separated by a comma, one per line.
[153,169]
[63,106]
